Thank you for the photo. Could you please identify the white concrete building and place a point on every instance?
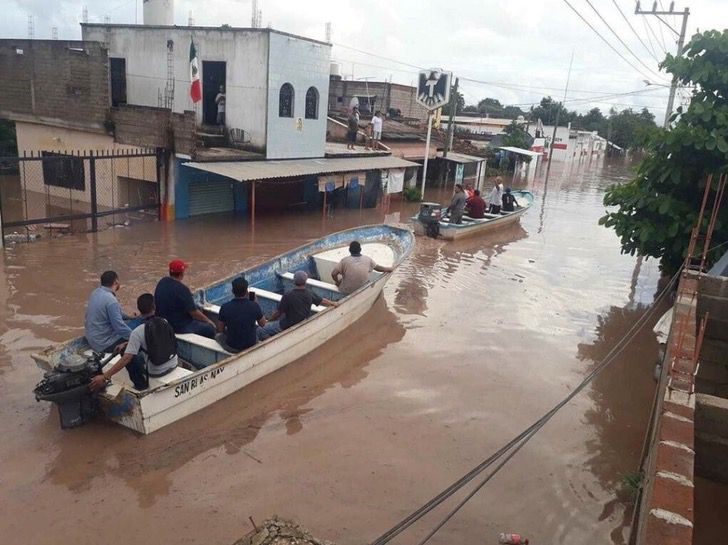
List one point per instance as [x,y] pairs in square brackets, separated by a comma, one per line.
[276,84]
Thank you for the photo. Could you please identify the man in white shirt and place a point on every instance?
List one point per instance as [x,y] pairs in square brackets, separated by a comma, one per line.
[495,199]
[220,101]
[375,134]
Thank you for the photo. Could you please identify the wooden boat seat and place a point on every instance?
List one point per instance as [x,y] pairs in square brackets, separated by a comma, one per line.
[199,340]
[264,294]
[312,282]
[121,379]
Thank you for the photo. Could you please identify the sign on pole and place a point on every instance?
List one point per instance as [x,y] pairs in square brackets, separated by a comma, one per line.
[433,92]
[433,88]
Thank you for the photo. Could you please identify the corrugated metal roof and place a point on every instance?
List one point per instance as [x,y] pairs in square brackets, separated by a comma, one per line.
[521,151]
[244,171]
[461,157]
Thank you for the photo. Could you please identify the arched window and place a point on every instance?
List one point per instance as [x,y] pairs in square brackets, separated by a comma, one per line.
[285,101]
[312,101]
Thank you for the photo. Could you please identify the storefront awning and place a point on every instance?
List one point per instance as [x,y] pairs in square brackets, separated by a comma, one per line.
[244,171]
[461,158]
[521,151]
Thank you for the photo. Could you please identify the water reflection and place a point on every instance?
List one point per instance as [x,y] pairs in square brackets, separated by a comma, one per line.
[146,463]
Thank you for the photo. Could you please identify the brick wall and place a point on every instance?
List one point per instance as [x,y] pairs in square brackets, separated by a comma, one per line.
[388,95]
[150,127]
[55,81]
[666,511]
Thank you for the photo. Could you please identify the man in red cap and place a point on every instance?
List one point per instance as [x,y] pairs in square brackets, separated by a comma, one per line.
[175,304]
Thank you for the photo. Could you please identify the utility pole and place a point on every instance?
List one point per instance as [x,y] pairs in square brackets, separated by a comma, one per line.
[556,123]
[451,119]
[680,44]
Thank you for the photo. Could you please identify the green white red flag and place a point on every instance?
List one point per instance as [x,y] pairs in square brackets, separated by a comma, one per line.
[195,84]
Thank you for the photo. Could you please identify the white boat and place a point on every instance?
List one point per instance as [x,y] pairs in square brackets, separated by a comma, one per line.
[471,226]
[207,373]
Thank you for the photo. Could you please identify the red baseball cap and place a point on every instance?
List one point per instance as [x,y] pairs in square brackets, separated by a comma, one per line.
[177,266]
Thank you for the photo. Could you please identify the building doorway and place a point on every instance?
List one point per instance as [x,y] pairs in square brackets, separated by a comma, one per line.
[213,76]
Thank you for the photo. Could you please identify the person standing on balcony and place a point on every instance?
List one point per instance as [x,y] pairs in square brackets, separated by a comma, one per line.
[353,123]
[220,101]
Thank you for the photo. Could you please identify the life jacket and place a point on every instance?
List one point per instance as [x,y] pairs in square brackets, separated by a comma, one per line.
[160,340]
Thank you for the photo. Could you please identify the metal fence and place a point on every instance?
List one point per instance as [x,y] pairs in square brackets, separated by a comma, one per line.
[78,191]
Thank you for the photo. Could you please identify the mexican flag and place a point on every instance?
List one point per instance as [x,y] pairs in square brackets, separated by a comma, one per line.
[195,84]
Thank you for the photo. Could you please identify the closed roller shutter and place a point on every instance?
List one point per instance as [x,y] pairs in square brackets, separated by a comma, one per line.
[210,197]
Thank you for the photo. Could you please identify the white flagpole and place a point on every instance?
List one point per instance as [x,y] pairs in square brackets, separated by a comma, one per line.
[427,152]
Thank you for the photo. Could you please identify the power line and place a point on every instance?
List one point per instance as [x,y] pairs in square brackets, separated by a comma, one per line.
[635,32]
[649,39]
[619,38]
[520,440]
[625,59]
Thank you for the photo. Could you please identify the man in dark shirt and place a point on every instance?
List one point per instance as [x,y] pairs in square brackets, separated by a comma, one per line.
[175,304]
[294,307]
[475,205]
[238,318]
[509,201]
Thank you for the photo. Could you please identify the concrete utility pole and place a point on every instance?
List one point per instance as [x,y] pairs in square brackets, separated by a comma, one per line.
[451,119]
[680,43]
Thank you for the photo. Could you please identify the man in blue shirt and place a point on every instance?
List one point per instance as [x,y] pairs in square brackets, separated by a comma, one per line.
[105,329]
[238,319]
[175,304]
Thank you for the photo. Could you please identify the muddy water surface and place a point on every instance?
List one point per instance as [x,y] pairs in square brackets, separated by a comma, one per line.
[471,342]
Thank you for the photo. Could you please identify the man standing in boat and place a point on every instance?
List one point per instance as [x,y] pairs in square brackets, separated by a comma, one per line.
[294,307]
[352,272]
[509,201]
[496,196]
[457,205]
[238,319]
[175,304]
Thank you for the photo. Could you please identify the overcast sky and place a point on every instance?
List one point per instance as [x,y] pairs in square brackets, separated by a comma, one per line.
[517,50]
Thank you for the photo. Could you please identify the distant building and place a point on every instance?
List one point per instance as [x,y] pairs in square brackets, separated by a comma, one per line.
[481,125]
[390,98]
[569,143]
[274,82]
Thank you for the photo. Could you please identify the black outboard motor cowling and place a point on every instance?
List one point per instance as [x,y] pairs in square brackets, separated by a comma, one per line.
[67,386]
[429,216]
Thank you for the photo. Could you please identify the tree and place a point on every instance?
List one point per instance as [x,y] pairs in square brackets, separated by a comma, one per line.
[516,136]
[628,129]
[491,107]
[656,211]
[593,120]
[513,112]
[548,110]
[459,103]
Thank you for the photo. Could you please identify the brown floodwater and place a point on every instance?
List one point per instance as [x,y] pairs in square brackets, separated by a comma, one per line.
[470,343]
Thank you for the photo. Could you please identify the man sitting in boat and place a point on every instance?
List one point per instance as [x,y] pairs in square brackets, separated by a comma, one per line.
[238,318]
[294,307]
[475,205]
[509,201]
[175,303]
[469,191]
[105,329]
[352,272]
[457,205]
[153,342]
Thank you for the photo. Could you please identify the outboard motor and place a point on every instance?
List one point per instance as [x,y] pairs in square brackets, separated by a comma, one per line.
[429,216]
[67,386]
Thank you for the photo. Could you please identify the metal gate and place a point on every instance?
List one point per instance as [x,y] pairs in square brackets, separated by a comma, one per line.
[77,191]
[211,196]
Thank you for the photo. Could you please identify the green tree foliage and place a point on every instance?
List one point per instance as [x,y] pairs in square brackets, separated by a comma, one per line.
[513,112]
[459,104]
[629,129]
[517,136]
[656,211]
[549,110]
[491,107]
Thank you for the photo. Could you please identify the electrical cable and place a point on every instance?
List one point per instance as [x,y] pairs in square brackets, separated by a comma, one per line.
[635,32]
[619,38]
[625,59]
[649,39]
[524,436]
[654,34]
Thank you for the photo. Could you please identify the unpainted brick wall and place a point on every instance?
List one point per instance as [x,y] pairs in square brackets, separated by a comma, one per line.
[56,79]
[150,127]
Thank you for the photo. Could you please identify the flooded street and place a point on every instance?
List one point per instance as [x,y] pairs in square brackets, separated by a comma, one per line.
[472,341]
